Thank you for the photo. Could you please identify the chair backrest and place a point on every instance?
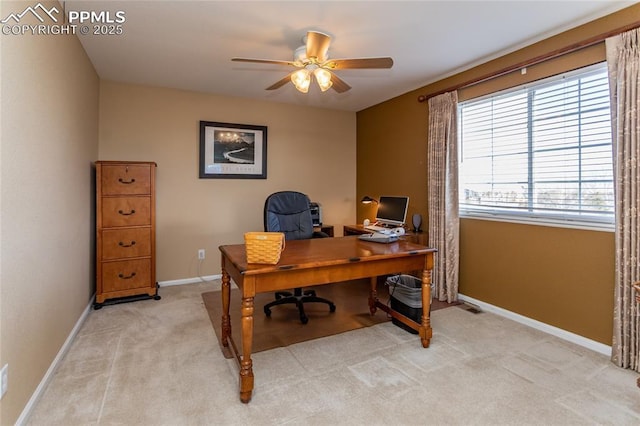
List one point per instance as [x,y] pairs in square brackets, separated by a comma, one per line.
[288,212]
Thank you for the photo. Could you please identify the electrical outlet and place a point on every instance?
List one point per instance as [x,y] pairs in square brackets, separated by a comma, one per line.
[4,380]
[201,254]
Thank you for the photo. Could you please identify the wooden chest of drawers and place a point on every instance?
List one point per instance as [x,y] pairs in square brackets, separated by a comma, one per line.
[125,231]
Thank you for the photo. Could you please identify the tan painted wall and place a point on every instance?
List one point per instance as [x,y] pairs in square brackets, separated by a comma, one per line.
[558,276]
[311,150]
[49,133]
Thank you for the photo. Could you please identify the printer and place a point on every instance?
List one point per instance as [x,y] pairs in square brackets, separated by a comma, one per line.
[316,214]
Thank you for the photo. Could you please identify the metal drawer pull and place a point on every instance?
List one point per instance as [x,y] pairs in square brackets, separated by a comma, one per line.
[126,214]
[126,182]
[132,243]
[133,274]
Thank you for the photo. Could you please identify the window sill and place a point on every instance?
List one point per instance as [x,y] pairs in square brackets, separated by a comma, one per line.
[573,224]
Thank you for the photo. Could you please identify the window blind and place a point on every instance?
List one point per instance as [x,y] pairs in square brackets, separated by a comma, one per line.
[540,151]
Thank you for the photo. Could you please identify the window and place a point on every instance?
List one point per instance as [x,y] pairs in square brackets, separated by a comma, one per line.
[540,153]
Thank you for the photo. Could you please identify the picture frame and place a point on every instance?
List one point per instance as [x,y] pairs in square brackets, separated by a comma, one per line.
[232,151]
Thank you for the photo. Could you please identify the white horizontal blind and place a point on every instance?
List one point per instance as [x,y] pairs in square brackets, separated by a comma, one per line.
[540,152]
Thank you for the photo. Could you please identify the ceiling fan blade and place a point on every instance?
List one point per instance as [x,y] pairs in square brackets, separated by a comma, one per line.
[339,84]
[278,84]
[344,64]
[317,45]
[265,61]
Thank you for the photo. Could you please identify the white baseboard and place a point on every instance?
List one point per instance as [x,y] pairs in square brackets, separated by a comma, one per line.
[193,280]
[35,397]
[555,331]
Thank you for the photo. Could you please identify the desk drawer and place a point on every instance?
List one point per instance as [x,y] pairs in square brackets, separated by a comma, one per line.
[123,243]
[125,275]
[126,179]
[126,211]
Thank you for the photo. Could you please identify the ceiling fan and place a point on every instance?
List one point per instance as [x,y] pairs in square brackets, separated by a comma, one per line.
[312,61]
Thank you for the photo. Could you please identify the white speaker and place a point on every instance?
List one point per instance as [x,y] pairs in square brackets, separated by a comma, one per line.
[366,222]
[417,221]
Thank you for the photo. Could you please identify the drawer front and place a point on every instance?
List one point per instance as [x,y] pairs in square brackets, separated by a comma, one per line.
[123,243]
[126,211]
[124,179]
[126,275]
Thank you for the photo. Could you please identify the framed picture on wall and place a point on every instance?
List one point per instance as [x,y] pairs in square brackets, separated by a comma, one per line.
[233,151]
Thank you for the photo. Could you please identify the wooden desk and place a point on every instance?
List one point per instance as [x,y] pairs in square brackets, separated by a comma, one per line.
[312,262]
[414,237]
[327,229]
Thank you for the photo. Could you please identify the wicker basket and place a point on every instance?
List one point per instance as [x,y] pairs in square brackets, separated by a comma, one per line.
[264,247]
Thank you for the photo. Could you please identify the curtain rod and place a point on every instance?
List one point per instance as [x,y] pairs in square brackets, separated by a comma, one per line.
[533,61]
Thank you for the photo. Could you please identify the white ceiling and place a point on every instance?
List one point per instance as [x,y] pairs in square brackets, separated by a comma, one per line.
[189,44]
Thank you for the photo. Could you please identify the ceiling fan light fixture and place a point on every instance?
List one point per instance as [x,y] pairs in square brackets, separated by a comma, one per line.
[301,79]
[312,61]
[323,77]
[300,54]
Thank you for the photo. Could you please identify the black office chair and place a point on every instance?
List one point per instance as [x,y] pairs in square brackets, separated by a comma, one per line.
[289,212]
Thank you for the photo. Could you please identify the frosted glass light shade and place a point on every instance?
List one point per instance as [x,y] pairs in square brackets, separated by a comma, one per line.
[301,79]
[323,77]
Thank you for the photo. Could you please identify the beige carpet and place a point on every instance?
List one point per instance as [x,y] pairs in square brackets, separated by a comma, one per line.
[284,328]
[158,363]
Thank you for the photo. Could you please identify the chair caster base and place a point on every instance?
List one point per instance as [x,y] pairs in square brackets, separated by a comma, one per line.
[299,298]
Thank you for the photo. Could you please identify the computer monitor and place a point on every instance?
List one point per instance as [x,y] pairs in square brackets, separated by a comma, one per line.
[392,211]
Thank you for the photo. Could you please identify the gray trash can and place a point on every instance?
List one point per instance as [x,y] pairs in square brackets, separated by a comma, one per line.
[405,292]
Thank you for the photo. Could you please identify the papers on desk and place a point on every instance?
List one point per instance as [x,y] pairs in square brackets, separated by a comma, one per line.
[376,237]
[375,228]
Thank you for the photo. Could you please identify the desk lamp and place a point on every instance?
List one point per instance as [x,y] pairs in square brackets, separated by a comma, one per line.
[368,200]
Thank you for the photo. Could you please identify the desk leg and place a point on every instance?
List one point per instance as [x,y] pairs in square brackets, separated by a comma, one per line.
[226,320]
[425,330]
[373,295]
[246,365]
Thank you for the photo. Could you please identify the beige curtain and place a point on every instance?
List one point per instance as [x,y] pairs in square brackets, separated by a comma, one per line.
[442,184]
[623,60]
